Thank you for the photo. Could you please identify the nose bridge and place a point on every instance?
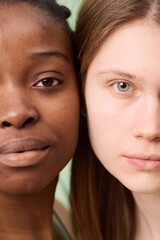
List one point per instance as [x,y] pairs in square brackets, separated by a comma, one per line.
[147,118]
[151,108]
[16,108]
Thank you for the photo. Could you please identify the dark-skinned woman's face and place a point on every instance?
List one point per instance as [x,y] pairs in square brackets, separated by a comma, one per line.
[39,105]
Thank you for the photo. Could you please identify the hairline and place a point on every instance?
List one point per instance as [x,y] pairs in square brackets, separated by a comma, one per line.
[149,19]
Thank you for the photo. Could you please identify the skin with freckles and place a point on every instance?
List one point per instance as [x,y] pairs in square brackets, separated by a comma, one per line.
[39,115]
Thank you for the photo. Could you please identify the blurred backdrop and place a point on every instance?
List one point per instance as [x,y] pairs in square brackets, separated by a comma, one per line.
[73,5]
[63,189]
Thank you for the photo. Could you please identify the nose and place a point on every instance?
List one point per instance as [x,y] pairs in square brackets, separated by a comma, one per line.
[147,120]
[17,112]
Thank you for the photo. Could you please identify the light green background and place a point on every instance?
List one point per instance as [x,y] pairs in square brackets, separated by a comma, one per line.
[62,190]
[73,5]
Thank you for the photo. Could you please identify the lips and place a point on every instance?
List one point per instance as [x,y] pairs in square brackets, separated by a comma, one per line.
[22,145]
[24,152]
[150,157]
[144,162]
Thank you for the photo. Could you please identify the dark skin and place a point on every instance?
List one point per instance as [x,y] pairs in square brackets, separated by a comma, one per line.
[39,117]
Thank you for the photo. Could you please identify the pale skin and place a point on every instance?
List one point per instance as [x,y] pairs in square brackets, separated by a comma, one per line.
[40,105]
[124,116]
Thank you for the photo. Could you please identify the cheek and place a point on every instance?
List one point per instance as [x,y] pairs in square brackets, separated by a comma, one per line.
[104,129]
[108,125]
[104,121]
[61,117]
[60,112]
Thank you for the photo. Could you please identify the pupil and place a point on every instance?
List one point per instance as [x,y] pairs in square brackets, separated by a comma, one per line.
[123,85]
[47,82]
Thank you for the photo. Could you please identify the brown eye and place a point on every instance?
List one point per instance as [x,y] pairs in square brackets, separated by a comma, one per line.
[48,82]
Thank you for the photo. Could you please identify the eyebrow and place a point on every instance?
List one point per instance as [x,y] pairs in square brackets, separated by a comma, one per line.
[35,56]
[119,73]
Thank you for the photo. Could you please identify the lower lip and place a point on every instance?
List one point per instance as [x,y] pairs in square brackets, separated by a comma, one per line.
[143,164]
[24,159]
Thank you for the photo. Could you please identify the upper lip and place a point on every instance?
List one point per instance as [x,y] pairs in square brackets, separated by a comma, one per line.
[22,145]
[149,157]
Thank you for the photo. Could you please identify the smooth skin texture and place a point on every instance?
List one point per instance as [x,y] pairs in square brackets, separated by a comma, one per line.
[122,93]
[40,105]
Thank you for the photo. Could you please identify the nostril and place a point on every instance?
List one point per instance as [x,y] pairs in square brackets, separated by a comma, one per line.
[18,123]
[29,120]
[6,124]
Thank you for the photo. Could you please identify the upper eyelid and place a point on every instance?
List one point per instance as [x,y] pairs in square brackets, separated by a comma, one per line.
[49,78]
[116,74]
[119,80]
[45,75]
[49,72]
[54,78]
[113,81]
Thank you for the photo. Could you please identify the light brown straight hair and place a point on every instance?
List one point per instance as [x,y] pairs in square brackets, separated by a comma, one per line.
[103,209]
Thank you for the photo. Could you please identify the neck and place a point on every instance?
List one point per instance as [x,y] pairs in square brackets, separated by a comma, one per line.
[147,216]
[27,217]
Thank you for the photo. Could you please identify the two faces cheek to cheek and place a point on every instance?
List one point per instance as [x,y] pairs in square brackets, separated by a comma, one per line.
[44,106]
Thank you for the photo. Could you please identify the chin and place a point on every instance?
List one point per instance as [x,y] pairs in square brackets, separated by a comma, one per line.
[142,187]
[23,185]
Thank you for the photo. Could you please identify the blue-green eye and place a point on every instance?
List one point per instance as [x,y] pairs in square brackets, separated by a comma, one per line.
[47,82]
[123,87]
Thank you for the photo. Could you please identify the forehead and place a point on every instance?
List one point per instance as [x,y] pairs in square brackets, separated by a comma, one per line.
[133,46]
[24,25]
[13,12]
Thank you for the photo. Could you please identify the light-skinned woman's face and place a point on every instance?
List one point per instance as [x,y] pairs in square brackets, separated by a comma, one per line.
[122,94]
[39,105]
